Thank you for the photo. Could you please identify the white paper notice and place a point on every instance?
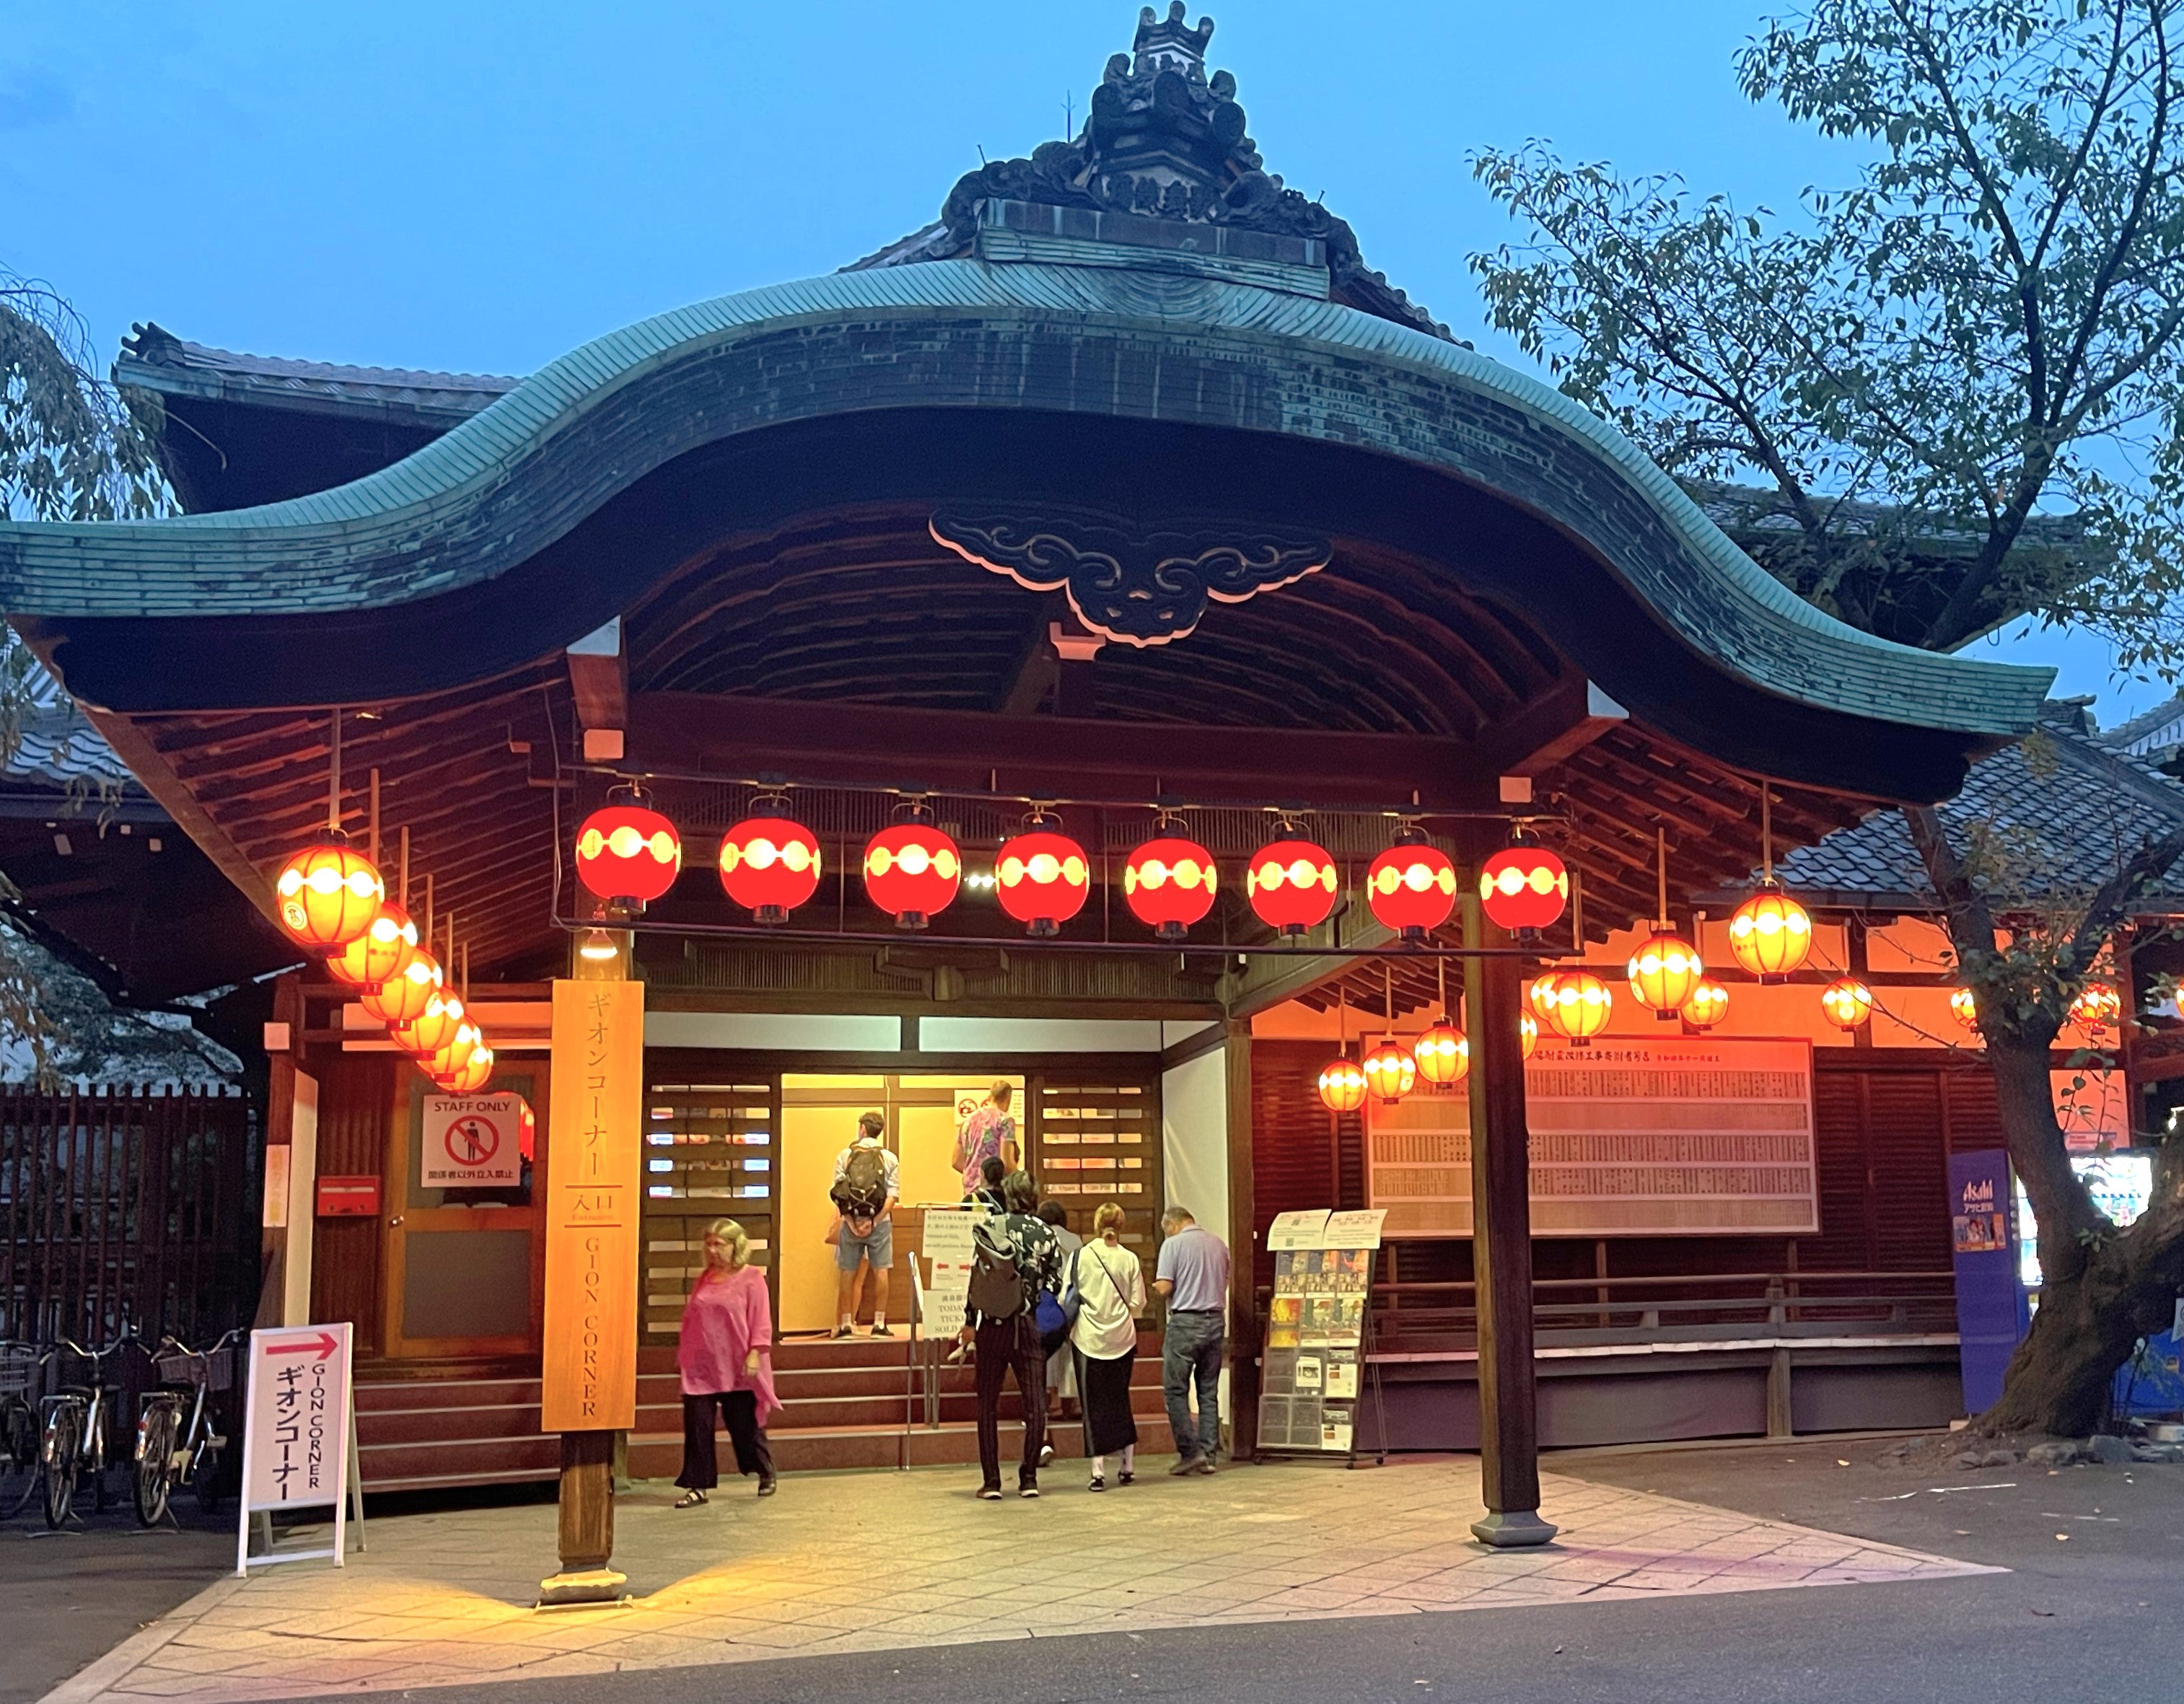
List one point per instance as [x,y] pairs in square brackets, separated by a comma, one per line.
[1300,1230]
[947,1248]
[1357,1229]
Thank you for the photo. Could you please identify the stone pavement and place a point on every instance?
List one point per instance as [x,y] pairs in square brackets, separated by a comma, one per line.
[873,1561]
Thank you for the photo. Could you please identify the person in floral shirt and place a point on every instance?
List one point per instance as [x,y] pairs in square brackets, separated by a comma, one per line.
[989,1134]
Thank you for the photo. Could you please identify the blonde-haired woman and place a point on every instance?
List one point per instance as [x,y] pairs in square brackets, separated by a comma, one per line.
[1111,1293]
[727,1359]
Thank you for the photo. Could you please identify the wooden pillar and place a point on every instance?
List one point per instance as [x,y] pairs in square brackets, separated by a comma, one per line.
[1502,1241]
[1242,1313]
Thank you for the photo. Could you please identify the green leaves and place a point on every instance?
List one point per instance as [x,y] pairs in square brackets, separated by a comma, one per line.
[70,449]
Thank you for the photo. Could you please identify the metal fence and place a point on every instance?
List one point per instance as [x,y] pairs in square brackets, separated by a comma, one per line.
[126,1205]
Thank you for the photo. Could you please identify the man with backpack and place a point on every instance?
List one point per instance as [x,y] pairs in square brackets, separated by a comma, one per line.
[864,1196]
[1015,1265]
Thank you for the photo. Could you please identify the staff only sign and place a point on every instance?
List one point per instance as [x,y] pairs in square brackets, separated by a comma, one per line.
[473,1141]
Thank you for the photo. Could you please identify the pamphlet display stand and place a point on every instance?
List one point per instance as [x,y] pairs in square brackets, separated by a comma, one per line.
[1315,1368]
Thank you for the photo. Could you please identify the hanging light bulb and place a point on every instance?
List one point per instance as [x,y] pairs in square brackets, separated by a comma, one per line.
[1341,1083]
[597,945]
[1444,1056]
[1665,968]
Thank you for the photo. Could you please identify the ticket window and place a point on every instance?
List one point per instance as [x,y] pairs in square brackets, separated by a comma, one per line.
[818,1119]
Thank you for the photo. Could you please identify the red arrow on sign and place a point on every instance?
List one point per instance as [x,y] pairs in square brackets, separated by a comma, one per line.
[324,1345]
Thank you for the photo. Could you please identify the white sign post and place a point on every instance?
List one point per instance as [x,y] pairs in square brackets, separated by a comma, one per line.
[298,1439]
[471,1141]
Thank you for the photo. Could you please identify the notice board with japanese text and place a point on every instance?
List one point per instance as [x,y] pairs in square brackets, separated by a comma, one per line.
[593,1172]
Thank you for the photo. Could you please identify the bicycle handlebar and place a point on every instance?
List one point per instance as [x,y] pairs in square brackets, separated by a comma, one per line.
[169,1340]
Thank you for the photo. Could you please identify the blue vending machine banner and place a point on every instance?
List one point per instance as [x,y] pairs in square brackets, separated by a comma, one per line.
[1993,1312]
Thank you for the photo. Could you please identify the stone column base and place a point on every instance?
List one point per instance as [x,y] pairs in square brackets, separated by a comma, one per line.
[1509,1530]
[596,1585]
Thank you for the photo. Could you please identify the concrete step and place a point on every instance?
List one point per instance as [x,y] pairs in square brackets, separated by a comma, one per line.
[403,1394]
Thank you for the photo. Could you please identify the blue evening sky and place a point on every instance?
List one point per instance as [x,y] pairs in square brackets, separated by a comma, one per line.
[480,187]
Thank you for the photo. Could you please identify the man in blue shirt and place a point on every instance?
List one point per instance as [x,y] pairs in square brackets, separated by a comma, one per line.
[1192,1276]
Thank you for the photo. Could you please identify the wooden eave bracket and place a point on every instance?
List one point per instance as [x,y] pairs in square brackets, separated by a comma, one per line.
[599,678]
[1555,729]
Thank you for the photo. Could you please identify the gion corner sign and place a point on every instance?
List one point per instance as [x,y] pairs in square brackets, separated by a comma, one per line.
[592,1201]
[471,1141]
[298,1435]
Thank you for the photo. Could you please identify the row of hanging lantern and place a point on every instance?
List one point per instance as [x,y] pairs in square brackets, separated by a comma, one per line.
[628,853]
[330,899]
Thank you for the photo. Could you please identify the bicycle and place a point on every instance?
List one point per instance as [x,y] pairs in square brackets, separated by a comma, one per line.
[19,1366]
[171,1450]
[77,1426]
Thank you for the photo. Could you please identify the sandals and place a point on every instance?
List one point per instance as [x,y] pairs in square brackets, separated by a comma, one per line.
[691,1500]
[1099,1483]
[1126,1478]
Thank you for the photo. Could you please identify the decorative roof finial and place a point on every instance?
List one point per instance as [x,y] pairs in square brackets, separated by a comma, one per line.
[1172,44]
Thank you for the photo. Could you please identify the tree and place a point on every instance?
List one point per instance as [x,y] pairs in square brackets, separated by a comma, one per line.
[1948,395]
[1958,383]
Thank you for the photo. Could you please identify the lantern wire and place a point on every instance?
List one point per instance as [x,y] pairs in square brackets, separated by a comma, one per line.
[1577,912]
[1388,982]
[1440,969]
[1766,833]
[373,829]
[333,774]
[402,893]
[1660,850]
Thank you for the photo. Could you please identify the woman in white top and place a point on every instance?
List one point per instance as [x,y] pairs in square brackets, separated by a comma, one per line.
[1110,1290]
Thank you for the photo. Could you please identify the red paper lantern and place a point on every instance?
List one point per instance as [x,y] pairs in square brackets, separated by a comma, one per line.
[1847,1002]
[913,869]
[1412,888]
[1443,1055]
[376,954]
[1770,933]
[448,1062]
[474,1074]
[1576,1005]
[1168,884]
[629,852]
[1342,1085]
[326,895]
[424,1035]
[2097,1007]
[1963,1008]
[1292,885]
[1663,971]
[1705,1005]
[407,990]
[1042,879]
[1392,1072]
[770,866]
[1523,887]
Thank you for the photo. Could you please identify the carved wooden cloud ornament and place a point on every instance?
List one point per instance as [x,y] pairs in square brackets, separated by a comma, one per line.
[1135,584]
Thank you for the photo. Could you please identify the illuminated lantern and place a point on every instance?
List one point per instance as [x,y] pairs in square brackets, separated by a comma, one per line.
[770,866]
[1770,933]
[1847,1002]
[1042,879]
[1963,1008]
[2097,1007]
[1412,888]
[1528,1029]
[1443,1055]
[1523,887]
[376,954]
[1576,1005]
[406,992]
[1292,885]
[1342,1085]
[628,852]
[326,895]
[1168,884]
[475,1073]
[1705,1005]
[913,869]
[1663,971]
[1390,1070]
[527,1122]
[450,1060]
[424,1035]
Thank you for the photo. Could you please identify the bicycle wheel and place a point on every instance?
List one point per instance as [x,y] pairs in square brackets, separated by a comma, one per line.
[19,1458]
[63,1444]
[154,1463]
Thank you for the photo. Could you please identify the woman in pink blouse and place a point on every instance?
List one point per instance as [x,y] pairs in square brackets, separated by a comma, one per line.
[726,1358]
[989,1134]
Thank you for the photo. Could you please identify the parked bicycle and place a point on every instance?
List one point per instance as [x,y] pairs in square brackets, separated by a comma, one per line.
[77,1423]
[178,1448]
[20,1364]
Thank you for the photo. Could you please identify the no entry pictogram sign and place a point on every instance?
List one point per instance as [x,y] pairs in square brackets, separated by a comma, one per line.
[471,1141]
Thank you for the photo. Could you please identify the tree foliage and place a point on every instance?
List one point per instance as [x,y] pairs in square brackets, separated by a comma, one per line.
[1958,380]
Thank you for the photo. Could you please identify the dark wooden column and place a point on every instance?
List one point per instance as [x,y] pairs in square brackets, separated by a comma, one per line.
[1501,1239]
[1243,1315]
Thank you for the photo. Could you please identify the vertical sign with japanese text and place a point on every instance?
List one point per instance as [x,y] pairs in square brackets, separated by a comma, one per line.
[296,1430]
[594,1164]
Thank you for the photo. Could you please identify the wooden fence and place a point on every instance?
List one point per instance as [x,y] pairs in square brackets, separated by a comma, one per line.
[121,1204]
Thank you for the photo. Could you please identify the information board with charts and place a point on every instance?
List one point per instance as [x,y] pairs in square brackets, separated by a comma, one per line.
[1685,1136]
[1313,1371]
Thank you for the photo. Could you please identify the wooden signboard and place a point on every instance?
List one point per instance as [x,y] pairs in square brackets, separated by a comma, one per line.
[595,1169]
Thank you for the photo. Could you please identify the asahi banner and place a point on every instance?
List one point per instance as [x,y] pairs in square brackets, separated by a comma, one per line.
[1683,1136]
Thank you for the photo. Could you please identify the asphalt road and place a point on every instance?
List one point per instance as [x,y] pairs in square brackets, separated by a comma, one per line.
[2091,1613]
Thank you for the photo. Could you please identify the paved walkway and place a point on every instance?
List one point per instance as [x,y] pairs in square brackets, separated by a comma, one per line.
[865,1562]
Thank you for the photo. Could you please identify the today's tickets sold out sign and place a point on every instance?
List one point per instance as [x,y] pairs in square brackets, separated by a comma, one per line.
[298,1434]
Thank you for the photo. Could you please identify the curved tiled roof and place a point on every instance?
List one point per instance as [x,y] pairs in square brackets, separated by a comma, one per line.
[476,503]
[155,358]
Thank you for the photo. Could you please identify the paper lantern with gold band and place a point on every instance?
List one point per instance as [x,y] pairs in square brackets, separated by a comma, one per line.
[431,1029]
[1042,879]
[1412,888]
[407,990]
[913,870]
[326,895]
[1342,1085]
[1576,1005]
[1169,884]
[628,852]
[1847,1002]
[376,954]
[1523,887]
[1705,1005]
[1292,885]
[447,1060]
[1770,933]
[2097,1007]
[1963,1008]
[1527,1027]
[475,1073]
[770,866]
[1663,970]
[1443,1055]
[1390,1070]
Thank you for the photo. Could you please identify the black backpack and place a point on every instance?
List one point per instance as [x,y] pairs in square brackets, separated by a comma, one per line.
[862,1191]
[997,1288]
